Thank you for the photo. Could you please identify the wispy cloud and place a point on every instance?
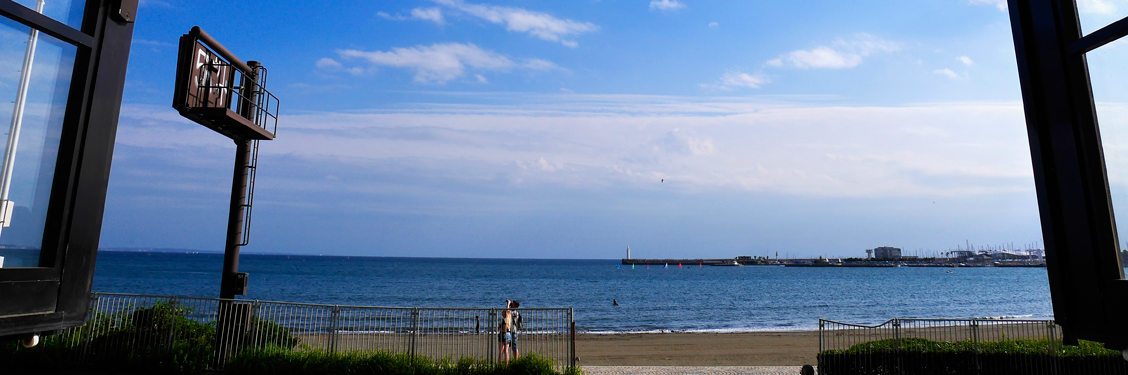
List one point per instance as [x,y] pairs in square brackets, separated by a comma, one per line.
[714,25]
[841,54]
[966,60]
[733,79]
[666,5]
[947,73]
[425,14]
[1096,6]
[600,141]
[1001,4]
[437,63]
[540,25]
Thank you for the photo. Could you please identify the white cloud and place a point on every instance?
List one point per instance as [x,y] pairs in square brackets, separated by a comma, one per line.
[425,14]
[327,63]
[1096,6]
[437,63]
[1001,4]
[713,25]
[666,5]
[539,64]
[966,60]
[842,54]
[946,72]
[481,78]
[733,79]
[430,14]
[596,141]
[540,25]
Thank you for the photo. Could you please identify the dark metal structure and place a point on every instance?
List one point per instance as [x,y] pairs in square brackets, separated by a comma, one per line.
[54,294]
[1090,295]
[247,113]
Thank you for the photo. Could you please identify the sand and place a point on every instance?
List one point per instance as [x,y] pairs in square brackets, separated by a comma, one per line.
[699,349]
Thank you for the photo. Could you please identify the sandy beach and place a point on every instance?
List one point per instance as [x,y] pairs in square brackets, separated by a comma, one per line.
[698,349]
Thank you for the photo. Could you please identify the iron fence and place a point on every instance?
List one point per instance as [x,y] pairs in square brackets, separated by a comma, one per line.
[964,346]
[129,323]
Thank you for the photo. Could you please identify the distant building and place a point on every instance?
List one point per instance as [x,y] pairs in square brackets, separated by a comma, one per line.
[869,253]
[887,252]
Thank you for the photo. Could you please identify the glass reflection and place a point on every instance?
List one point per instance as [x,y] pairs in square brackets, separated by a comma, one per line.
[1109,77]
[39,126]
[65,11]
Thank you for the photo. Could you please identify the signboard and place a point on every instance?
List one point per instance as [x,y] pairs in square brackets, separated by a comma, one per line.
[207,91]
[209,80]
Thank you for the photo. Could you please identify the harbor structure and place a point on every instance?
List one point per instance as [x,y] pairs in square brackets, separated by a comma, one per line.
[887,252]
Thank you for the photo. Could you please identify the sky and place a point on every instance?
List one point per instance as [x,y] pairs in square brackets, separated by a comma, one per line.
[550,129]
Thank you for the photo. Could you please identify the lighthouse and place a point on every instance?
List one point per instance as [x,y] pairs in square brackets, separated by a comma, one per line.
[628,252]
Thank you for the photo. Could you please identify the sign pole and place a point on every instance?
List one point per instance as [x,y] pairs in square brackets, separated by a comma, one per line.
[230,285]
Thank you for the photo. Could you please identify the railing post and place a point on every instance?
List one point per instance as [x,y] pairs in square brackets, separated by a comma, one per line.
[572,340]
[975,343]
[91,325]
[898,363]
[491,320]
[333,325]
[414,330]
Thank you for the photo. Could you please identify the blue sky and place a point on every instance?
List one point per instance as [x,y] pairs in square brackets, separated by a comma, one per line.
[545,129]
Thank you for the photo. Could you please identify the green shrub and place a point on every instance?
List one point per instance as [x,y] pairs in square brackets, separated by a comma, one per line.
[926,357]
[284,362]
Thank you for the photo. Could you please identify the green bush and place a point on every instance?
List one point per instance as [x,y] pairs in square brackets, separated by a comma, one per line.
[926,357]
[276,361]
[156,339]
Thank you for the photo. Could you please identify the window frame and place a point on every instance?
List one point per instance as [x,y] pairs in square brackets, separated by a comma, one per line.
[1087,286]
[56,294]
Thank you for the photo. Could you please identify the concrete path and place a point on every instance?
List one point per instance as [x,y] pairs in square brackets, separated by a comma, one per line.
[693,370]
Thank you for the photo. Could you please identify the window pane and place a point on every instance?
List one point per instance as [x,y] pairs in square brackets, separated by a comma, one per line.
[65,11]
[1109,76]
[39,128]
[1095,14]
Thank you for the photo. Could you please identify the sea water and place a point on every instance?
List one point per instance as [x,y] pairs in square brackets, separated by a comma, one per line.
[650,299]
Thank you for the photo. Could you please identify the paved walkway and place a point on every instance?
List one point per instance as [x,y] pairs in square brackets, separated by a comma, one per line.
[694,370]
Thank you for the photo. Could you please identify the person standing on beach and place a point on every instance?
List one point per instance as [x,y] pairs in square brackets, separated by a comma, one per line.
[504,337]
[513,328]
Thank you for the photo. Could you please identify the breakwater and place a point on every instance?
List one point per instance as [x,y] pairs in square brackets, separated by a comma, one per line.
[849,262]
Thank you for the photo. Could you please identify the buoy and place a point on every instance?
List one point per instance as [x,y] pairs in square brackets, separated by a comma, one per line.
[698,265]
[679,265]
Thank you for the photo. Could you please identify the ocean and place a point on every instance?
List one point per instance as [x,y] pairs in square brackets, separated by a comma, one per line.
[650,299]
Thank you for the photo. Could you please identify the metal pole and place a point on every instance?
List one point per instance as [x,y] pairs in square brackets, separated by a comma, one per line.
[6,206]
[228,280]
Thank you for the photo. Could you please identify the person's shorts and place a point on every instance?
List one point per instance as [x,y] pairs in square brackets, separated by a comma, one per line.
[505,338]
[513,341]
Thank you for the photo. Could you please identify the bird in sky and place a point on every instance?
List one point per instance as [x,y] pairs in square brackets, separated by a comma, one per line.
[663,180]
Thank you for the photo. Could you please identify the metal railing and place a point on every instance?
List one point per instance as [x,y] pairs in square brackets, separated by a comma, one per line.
[964,346]
[130,323]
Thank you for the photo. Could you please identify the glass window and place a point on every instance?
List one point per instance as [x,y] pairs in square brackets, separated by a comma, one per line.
[1109,77]
[1097,14]
[65,11]
[31,122]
